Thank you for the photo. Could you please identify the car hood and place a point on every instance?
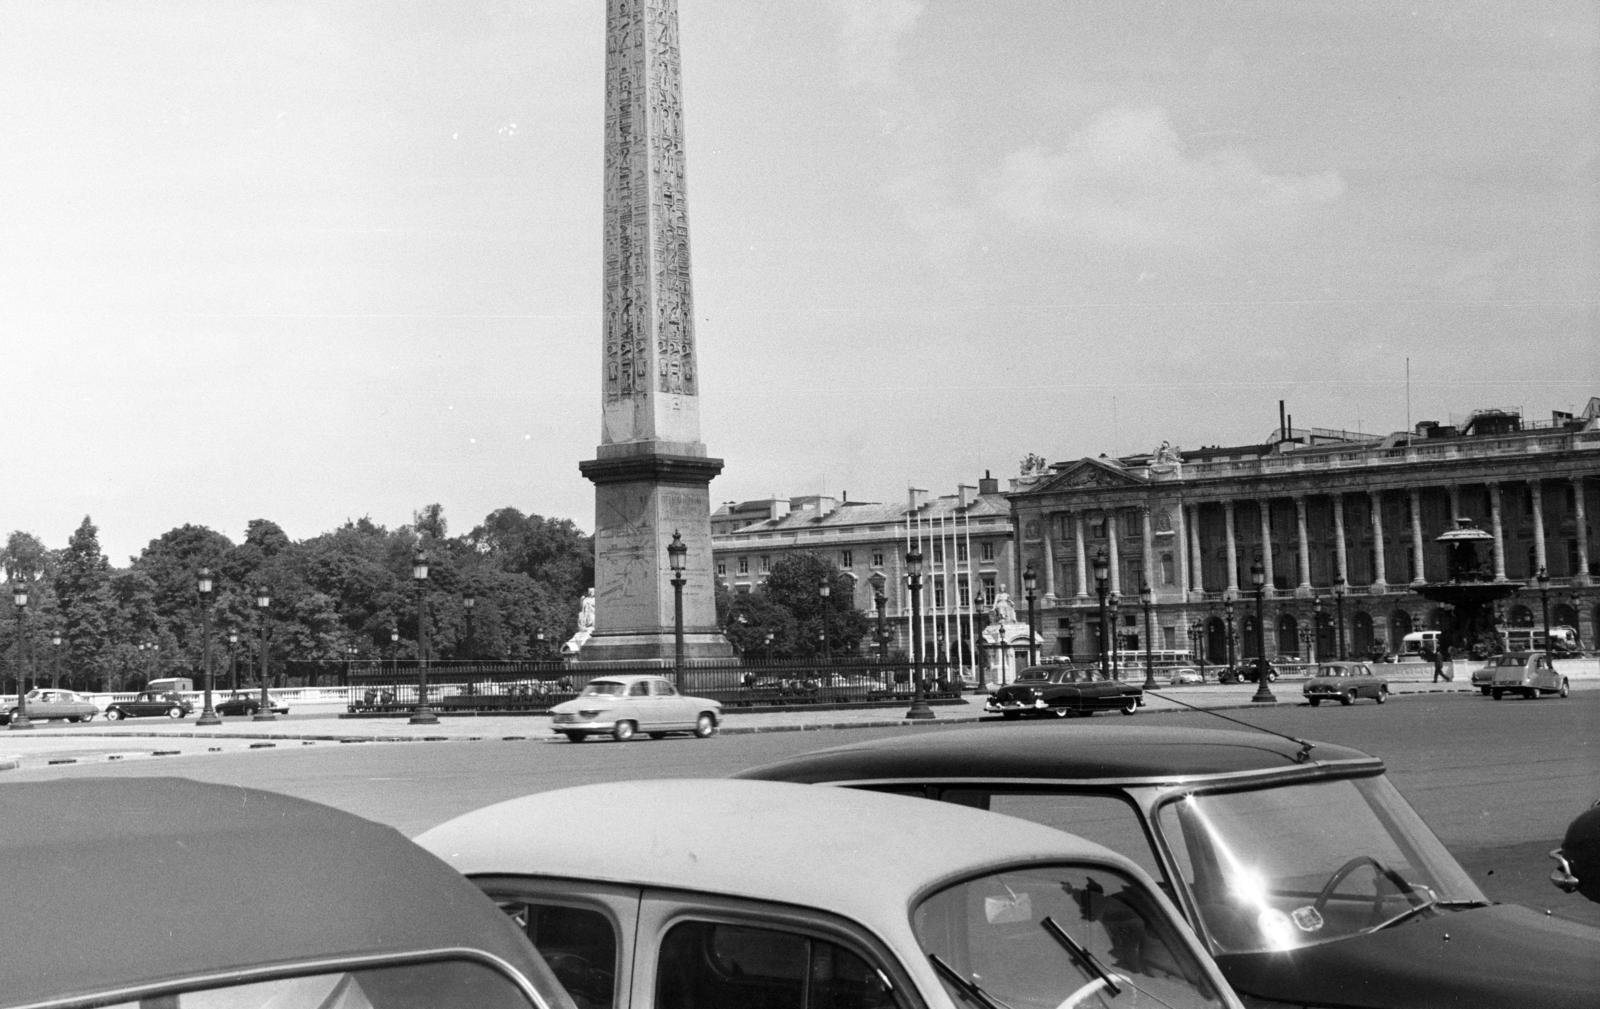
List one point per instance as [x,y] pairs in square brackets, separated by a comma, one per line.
[1481,958]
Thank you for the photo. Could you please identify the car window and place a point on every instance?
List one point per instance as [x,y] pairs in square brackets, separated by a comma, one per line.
[639,689]
[579,944]
[711,965]
[1103,819]
[442,984]
[661,688]
[1058,936]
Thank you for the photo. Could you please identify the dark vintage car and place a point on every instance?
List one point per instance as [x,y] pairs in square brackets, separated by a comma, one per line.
[1578,858]
[1062,691]
[1345,682]
[126,892]
[1246,671]
[1309,877]
[249,704]
[150,702]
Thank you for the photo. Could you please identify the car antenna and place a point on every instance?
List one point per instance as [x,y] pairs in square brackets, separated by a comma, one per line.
[1304,744]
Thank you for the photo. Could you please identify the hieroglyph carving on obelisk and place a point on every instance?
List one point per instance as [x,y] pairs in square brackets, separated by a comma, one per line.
[649,381]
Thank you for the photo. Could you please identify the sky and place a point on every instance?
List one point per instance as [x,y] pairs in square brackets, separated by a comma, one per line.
[321,260]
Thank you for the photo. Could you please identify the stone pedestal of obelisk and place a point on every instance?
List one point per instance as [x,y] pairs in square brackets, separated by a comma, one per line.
[651,473]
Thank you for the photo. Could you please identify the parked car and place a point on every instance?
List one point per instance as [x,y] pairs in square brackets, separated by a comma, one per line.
[1527,673]
[1345,682]
[1246,672]
[1183,676]
[249,704]
[126,892]
[1483,677]
[1309,877]
[621,706]
[1578,858]
[44,703]
[1062,691]
[770,895]
[150,702]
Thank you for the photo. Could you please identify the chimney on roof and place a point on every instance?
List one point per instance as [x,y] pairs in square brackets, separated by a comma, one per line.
[988,484]
[916,497]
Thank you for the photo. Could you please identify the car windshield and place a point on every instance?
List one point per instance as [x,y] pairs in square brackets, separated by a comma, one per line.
[1512,659]
[1297,865]
[1054,936]
[1033,676]
[603,688]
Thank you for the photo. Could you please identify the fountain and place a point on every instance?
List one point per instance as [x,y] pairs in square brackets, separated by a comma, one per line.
[1470,593]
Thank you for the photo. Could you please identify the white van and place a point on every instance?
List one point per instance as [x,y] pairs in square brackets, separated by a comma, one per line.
[181,684]
[1420,644]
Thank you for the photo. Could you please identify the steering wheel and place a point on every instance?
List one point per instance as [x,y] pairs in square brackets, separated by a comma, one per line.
[1339,874]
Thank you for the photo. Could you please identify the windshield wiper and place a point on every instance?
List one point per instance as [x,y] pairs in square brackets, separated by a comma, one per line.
[968,988]
[1080,953]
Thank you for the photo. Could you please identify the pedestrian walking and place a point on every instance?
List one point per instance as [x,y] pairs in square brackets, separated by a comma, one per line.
[1438,664]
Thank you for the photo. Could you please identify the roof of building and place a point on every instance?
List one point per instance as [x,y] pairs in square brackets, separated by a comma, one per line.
[843,515]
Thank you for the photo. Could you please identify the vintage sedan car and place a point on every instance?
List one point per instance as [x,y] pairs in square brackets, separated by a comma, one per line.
[1183,676]
[1247,670]
[1527,673]
[126,892]
[1345,682]
[44,703]
[769,895]
[1578,858]
[249,704]
[1309,877]
[1062,691]
[1483,677]
[622,706]
[150,702]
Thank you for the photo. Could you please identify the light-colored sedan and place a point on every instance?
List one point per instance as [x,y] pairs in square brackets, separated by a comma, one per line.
[622,706]
[48,702]
[1528,674]
[1185,676]
[770,894]
[1345,682]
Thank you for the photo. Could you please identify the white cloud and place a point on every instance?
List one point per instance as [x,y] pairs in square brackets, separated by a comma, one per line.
[1126,179]
[869,33]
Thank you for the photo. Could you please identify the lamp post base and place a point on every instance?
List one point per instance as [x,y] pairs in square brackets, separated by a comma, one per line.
[20,721]
[263,716]
[423,715]
[1263,694]
[919,709]
[208,717]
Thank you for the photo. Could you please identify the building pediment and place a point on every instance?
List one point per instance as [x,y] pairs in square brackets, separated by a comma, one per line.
[1090,473]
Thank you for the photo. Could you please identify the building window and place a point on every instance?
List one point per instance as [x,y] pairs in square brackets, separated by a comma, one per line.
[963,591]
[722,568]
[988,589]
[744,565]
[961,551]
[764,564]
[938,593]
[938,553]
[1097,527]
[847,558]
[877,558]
[986,551]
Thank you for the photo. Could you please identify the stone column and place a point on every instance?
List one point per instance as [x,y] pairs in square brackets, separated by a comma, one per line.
[1580,576]
[1114,552]
[1183,550]
[1536,492]
[1339,556]
[1149,543]
[1304,542]
[1233,548]
[1049,557]
[1083,560]
[1266,542]
[1496,527]
[1380,579]
[1418,557]
[1197,564]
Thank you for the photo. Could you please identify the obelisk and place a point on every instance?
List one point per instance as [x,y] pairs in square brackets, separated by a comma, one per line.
[651,472]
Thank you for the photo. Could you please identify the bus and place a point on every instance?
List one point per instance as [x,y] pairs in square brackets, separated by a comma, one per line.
[1531,639]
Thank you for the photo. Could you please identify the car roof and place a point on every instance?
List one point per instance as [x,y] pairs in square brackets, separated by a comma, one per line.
[1089,753]
[752,839]
[626,677]
[119,883]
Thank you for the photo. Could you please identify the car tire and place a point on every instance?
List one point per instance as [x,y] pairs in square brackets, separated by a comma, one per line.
[1497,694]
[174,712]
[1564,689]
[656,735]
[113,714]
[1130,706]
[1011,716]
[705,726]
[623,731]
[1383,695]
[1484,691]
[1347,698]
[1532,693]
[1314,701]
[1060,712]
[574,737]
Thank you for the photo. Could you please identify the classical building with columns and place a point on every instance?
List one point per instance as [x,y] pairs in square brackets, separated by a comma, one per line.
[1342,528]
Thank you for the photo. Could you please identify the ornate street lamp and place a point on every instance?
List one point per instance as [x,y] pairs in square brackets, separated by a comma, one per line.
[1114,601]
[824,591]
[1258,578]
[677,555]
[203,582]
[467,602]
[264,609]
[19,599]
[1319,620]
[1030,584]
[538,638]
[422,714]
[1197,633]
[1227,611]
[55,660]
[233,664]
[919,701]
[1338,603]
[1543,578]
[879,601]
[1147,599]
[1102,572]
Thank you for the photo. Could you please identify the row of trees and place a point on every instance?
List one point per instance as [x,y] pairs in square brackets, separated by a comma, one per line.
[338,596]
